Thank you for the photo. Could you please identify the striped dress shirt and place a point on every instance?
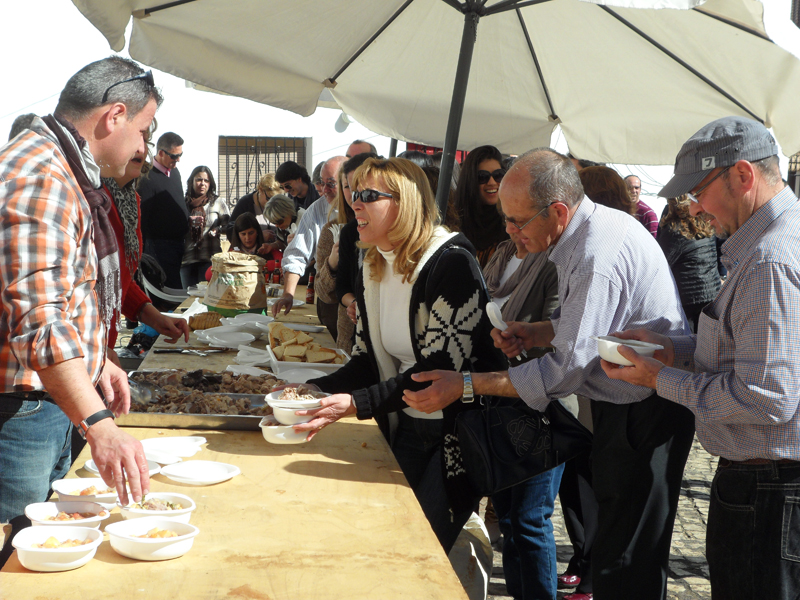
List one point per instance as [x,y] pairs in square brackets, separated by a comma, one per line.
[740,375]
[48,267]
[612,276]
[303,246]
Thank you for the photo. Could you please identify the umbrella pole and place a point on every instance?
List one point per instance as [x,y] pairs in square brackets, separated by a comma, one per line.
[456,110]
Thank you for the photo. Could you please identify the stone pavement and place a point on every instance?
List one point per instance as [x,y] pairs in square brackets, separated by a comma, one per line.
[688,576]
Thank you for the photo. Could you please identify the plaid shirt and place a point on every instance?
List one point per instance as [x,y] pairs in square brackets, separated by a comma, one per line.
[743,383]
[48,267]
[612,276]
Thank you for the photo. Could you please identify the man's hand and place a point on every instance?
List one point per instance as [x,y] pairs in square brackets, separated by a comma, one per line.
[116,392]
[515,339]
[284,302]
[643,372]
[447,387]
[333,408]
[118,455]
[171,328]
[665,356]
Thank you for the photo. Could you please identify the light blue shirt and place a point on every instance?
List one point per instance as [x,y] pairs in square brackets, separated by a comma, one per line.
[303,246]
[743,379]
[612,276]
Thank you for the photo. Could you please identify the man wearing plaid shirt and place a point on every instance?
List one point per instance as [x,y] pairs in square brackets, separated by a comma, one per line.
[52,338]
[740,375]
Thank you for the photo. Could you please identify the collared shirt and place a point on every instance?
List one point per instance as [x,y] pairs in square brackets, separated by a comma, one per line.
[160,167]
[612,276]
[303,246]
[743,379]
[48,267]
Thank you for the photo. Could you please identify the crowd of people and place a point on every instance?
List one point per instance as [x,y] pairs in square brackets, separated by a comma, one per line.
[565,248]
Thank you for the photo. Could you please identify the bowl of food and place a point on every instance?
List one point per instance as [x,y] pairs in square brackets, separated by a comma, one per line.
[286,416]
[52,548]
[295,398]
[151,538]
[175,507]
[91,489]
[608,349]
[275,433]
[66,514]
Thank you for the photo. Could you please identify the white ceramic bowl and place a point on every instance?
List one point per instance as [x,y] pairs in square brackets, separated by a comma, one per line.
[608,348]
[55,559]
[40,511]
[281,434]
[286,416]
[121,535]
[182,515]
[68,490]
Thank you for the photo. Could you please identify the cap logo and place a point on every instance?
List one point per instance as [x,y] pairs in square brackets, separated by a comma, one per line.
[708,162]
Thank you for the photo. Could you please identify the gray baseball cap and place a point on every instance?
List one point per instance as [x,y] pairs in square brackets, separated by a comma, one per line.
[721,143]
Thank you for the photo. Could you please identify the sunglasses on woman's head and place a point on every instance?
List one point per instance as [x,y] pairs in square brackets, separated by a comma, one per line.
[367,196]
[483,176]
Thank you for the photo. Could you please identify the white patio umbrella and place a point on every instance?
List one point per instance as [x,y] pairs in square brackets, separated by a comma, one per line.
[627,85]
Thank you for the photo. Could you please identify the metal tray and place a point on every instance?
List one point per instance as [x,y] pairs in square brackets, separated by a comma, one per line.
[191,421]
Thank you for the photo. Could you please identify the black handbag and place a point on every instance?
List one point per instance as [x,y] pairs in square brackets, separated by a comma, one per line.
[508,442]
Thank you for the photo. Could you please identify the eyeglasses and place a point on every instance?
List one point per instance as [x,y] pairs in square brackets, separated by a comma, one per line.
[173,156]
[330,183]
[286,187]
[694,197]
[508,221]
[497,175]
[148,79]
[367,196]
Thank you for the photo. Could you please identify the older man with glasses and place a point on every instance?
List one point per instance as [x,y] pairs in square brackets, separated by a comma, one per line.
[300,252]
[611,274]
[60,280]
[165,216]
[740,375]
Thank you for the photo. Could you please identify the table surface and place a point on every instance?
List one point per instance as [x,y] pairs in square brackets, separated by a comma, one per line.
[332,518]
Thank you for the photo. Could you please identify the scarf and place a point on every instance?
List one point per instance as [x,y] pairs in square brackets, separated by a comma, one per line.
[87,174]
[519,284]
[197,216]
[125,200]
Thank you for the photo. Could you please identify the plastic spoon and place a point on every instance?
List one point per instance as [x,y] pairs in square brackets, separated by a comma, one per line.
[496,317]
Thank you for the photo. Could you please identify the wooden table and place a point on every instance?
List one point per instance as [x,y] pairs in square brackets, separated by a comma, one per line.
[330,519]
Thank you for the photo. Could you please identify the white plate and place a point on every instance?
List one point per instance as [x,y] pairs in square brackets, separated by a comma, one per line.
[295,303]
[196,293]
[304,327]
[301,375]
[232,339]
[90,466]
[200,472]
[162,458]
[251,318]
[179,446]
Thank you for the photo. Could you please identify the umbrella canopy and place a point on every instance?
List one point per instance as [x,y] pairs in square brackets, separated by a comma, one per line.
[627,85]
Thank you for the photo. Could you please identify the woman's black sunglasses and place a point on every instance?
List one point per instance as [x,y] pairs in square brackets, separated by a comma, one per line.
[483,176]
[367,196]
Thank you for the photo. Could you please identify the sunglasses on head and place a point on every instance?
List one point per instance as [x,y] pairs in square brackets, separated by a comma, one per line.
[147,76]
[483,176]
[367,196]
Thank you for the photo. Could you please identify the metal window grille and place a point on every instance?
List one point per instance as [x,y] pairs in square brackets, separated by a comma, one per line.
[793,177]
[244,160]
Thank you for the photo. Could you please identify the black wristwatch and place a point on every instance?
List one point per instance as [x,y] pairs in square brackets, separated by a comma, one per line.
[468,396]
[83,428]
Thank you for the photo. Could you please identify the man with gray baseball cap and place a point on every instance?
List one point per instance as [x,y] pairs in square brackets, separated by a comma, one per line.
[740,375]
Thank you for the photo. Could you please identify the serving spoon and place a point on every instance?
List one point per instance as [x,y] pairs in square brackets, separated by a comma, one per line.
[496,317]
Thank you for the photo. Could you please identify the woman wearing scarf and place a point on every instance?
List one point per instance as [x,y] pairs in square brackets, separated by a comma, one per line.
[208,217]
[126,233]
[525,285]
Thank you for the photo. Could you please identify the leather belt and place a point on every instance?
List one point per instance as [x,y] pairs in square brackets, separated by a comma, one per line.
[724,462]
[35,395]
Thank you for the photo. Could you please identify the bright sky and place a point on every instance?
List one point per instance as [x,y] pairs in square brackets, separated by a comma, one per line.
[43,42]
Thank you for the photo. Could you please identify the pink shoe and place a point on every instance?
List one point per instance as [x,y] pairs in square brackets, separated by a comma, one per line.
[568,580]
[578,596]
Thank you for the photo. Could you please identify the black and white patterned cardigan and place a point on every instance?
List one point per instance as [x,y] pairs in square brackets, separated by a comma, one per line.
[450,330]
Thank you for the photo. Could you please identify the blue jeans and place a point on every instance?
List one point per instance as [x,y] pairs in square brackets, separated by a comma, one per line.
[417,446]
[529,547]
[35,440]
[753,538]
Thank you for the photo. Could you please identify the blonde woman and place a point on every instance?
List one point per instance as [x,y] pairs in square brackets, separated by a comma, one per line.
[421,301]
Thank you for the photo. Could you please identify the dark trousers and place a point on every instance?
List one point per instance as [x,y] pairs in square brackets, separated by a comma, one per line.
[753,538]
[580,517]
[328,315]
[638,455]
[169,255]
[417,446]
